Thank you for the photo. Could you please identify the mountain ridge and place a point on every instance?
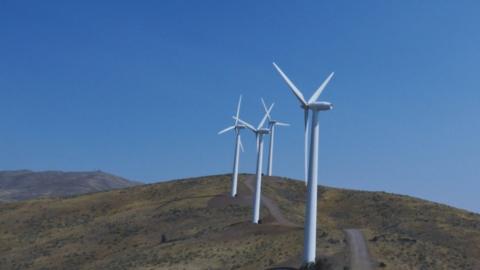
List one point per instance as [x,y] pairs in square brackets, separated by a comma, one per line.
[17,185]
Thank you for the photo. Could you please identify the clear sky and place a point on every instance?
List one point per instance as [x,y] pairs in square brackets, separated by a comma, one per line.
[141,88]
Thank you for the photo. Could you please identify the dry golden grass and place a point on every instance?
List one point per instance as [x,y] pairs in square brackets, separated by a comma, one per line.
[123,229]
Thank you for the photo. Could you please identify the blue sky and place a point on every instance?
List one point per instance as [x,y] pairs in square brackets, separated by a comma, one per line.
[141,89]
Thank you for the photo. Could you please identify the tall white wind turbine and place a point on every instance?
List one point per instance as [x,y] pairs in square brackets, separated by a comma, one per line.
[238,145]
[272,127]
[315,106]
[259,132]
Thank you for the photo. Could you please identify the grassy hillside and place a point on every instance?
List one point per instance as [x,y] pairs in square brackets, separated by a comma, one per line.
[403,232]
[193,224]
[25,185]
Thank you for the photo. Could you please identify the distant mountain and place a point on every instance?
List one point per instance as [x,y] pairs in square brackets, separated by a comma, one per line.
[24,185]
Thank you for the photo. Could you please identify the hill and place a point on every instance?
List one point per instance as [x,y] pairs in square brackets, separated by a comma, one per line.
[24,184]
[193,224]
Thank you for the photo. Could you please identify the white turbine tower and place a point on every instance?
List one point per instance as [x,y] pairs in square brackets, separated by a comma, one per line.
[272,127]
[311,208]
[238,146]
[259,132]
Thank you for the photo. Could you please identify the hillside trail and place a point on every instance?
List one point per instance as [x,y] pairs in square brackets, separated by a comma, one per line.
[359,255]
[270,204]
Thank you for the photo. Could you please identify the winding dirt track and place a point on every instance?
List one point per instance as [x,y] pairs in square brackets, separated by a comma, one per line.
[269,204]
[359,255]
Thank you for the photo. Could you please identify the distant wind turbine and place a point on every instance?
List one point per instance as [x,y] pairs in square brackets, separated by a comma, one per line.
[259,132]
[238,145]
[313,105]
[272,127]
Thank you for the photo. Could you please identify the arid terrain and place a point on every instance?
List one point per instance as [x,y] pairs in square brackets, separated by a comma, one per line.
[193,224]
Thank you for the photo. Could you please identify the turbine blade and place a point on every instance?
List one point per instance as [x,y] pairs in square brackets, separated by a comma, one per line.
[265,117]
[320,89]
[225,130]
[294,89]
[238,109]
[245,124]
[265,108]
[257,139]
[241,145]
[282,124]
[306,152]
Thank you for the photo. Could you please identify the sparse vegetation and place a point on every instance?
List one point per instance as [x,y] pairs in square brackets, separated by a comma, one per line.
[190,225]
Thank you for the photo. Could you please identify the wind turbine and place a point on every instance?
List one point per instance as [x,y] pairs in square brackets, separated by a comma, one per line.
[238,145]
[311,208]
[259,132]
[272,127]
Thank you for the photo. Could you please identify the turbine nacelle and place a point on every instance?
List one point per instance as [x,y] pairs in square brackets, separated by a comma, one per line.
[263,131]
[320,106]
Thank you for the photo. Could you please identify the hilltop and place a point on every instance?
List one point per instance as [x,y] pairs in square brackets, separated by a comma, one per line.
[193,224]
[24,184]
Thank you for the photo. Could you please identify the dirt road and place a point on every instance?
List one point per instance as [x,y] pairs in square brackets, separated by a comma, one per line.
[271,205]
[359,255]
